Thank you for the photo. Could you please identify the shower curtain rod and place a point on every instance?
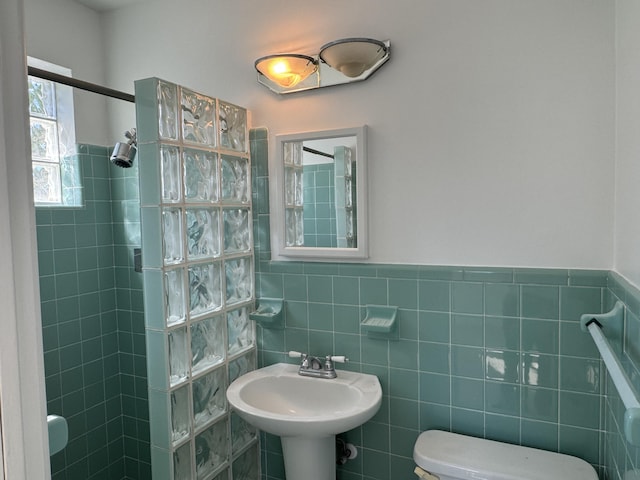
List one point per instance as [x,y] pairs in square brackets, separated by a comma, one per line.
[81,84]
[317,152]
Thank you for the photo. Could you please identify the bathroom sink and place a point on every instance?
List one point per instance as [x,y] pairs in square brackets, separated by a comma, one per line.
[277,400]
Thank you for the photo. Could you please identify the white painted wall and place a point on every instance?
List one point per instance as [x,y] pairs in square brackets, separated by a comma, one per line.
[627,230]
[68,34]
[491,129]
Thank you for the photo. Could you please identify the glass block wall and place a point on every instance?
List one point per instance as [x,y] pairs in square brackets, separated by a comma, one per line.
[198,280]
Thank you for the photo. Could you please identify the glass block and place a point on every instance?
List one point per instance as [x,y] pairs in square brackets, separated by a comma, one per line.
[200,176]
[203,233]
[246,465]
[239,280]
[46,183]
[237,234]
[167,110]
[348,195]
[211,449]
[298,188]
[235,179]
[178,356]
[180,416]
[205,288]
[241,433]
[174,298]
[42,98]
[240,330]
[292,152]
[207,344]
[44,139]
[290,227]
[182,463]
[171,178]
[242,365]
[299,222]
[198,122]
[224,475]
[233,126]
[172,236]
[209,399]
[289,186]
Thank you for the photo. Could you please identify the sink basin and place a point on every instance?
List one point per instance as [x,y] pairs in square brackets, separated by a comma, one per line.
[277,400]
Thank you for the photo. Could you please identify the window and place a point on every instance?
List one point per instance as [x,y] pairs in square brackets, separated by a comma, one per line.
[56,179]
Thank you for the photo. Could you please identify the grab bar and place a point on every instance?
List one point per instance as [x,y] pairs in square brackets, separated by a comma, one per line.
[612,323]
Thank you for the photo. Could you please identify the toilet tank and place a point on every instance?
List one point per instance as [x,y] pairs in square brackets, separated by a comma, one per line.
[453,456]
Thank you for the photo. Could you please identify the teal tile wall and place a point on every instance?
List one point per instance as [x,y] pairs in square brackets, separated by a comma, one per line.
[86,321]
[622,460]
[319,205]
[489,352]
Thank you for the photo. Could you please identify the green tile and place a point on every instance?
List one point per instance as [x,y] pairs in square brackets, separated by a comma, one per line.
[467,361]
[296,339]
[403,413]
[434,416]
[467,298]
[403,293]
[402,442]
[579,410]
[580,442]
[574,342]
[467,330]
[434,326]
[346,319]
[502,428]
[404,383]
[540,336]
[407,324]
[541,276]
[357,270]
[576,301]
[502,366]
[434,296]
[588,278]
[541,435]
[467,422]
[488,274]
[467,393]
[440,273]
[403,354]
[502,332]
[375,352]
[375,464]
[296,314]
[373,291]
[540,370]
[271,285]
[295,287]
[434,357]
[580,374]
[398,271]
[348,345]
[501,300]
[540,302]
[540,404]
[503,398]
[320,288]
[435,388]
[64,236]
[320,316]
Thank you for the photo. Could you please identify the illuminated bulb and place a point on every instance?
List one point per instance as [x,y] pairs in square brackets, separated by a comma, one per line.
[286,70]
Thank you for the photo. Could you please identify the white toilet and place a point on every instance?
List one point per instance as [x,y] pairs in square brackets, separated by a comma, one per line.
[450,456]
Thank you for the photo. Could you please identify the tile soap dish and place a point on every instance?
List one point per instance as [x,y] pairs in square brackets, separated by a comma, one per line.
[380,322]
[268,313]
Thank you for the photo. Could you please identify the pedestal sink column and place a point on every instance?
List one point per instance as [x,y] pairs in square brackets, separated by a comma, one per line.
[309,458]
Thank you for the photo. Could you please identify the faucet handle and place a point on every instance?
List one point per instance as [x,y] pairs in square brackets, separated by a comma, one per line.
[338,358]
[294,354]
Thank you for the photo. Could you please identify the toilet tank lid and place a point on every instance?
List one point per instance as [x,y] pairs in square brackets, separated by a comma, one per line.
[464,457]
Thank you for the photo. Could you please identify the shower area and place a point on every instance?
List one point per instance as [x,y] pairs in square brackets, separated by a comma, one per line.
[145,295]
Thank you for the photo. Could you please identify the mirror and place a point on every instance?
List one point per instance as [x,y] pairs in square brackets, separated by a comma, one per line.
[318,186]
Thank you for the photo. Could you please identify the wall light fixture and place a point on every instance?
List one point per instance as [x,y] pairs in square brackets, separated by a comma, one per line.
[342,61]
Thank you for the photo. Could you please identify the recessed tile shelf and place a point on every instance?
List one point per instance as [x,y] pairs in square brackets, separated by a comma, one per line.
[380,322]
[268,313]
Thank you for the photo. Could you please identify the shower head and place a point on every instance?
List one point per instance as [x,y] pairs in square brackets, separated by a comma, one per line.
[124,153]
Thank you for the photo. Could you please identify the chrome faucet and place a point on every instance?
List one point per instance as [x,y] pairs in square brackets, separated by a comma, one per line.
[316,367]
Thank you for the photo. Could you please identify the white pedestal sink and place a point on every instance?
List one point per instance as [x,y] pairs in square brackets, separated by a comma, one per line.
[305,412]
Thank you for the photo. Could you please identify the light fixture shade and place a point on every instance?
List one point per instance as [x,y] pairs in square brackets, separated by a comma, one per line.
[286,70]
[353,56]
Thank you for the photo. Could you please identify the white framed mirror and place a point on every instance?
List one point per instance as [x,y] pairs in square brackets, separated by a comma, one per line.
[318,195]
